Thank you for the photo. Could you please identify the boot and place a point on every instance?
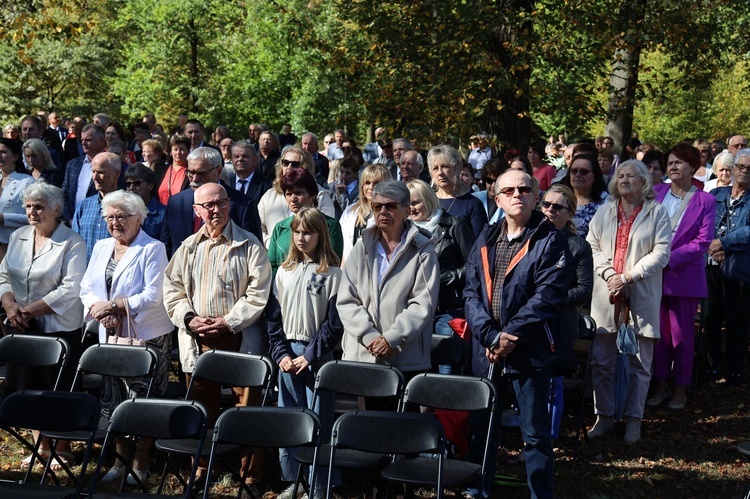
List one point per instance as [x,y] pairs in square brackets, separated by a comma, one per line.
[604,426]
[632,430]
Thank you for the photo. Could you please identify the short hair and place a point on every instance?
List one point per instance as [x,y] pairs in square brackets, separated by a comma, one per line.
[42,191]
[155,145]
[686,153]
[246,146]
[139,171]
[349,163]
[274,137]
[420,160]
[117,143]
[297,177]
[654,155]
[407,143]
[725,158]
[570,198]
[128,202]
[493,166]
[206,153]
[424,192]
[35,119]
[448,154]
[118,128]
[143,127]
[224,131]
[310,134]
[40,149]
[103,117]
[312,220]
[111,161]
[647,192]
[393,189]
[742,153]
[532,182]
[193,121]
[537,147]
[606,153]
[96,130]
[179,139]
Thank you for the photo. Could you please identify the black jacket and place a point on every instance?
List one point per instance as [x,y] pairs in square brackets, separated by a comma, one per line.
[453,239]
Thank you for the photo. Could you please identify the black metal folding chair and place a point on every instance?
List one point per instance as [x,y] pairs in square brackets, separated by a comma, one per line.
[266,427]
[35,351]
[56,411]
[152,419]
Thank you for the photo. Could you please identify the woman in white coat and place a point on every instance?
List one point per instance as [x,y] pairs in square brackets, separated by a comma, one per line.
[122,289]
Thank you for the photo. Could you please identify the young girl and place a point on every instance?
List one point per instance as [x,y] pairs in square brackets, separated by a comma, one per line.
[303,325]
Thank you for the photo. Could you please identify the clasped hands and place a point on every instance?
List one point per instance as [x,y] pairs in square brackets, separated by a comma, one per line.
[716,251]
[18,316]
[380,348]
[208,326]
[102,311]
[294,366]
[505,345]
[615,285]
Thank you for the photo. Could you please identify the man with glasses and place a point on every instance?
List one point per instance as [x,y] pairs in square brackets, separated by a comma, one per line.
[517,279]
[181,220]
[735,143]
[215,290]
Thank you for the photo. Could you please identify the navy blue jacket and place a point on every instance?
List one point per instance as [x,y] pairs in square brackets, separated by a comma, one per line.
[534,291]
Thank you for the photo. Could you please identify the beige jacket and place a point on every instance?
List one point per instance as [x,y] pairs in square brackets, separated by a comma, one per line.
[401,307]
[647,255]
[250,282]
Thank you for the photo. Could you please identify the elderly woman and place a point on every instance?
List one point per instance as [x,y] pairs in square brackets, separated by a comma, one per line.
[122,289]
[728,273]
[141,180]
[14,181]
[300,191]
[691,212]
[40,286]
[723,169]
[445,165]
[273,207]
[389,289]
[358,216]
[587,181]
[11,131]
[175,178]
[630,239]
[39,163]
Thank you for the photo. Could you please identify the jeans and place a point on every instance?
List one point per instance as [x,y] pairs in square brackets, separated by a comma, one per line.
[442,328]
[296,390]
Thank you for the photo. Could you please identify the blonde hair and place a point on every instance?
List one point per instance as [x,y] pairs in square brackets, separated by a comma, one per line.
[374,172]
[420,189]
[570,198]
[314,221]
[304,156]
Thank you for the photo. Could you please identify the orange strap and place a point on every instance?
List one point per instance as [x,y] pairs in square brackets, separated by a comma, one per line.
[487,278]
[517,257]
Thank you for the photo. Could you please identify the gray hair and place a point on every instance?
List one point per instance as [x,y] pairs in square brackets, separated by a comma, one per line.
[42,191]
[103,119]
[647,192]
[726,158]
[128,202]
[741,154]
[407,143]
[310,134]
[420,160]
[40,149]
[208,153]
[98,131]
[393,189]
[243,144]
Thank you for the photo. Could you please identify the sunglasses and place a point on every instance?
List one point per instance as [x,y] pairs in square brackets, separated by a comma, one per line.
[133,183]
[287,163]
[554,206]
[580,171]
[509,191]
[391,207]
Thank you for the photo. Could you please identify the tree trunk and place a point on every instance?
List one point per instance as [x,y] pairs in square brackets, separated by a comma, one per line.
[194,70]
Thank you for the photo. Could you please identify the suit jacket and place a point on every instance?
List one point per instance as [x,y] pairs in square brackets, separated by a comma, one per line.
[138,277]
[321,169]
[684,274]
[70,186]
[258,186]
[178,217]
[71,149]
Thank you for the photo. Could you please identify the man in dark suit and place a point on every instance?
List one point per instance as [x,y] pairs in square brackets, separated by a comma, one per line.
[33,128]
[195,132]
[55,126]
[180,220]
[245,178]
[77,183]
[269,155]
[310,144]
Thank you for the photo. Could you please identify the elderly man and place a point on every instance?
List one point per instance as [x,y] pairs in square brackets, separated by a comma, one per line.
[225,148]
[181,221]
[400,146]
[411,167]
[517,279]
[310,144]
[735,143]
[244,178]
[77,184]
[253,133]
[268,149]
[334,149]
[215,290]
[87,220]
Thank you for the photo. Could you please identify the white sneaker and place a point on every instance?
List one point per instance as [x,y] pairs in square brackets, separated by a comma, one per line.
[114,473]
[142,475]
[290,492]
[604,426]
[632,430]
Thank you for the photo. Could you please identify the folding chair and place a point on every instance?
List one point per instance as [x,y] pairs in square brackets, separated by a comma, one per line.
[58,411]
[266,427]
[35,351]
[448,350]
[394,433]
[152,419]
[356,379]
[120,361]
[227,368]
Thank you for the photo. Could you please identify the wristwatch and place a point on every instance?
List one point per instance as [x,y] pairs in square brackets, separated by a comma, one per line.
[113,304]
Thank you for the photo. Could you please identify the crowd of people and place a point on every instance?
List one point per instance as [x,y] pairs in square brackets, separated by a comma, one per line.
[264,246]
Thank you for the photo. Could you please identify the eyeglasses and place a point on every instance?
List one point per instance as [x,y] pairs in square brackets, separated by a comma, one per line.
[742,145]
[196,173]
[580,171]
[509,191]
[118,218]
[489,180]
[210,205]
[133,183]
[391,207]
[555,206]
[742,168]
[287,163]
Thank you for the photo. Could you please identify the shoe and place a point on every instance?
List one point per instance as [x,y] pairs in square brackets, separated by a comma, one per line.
[290,492]
[677,406]
[632,430]
[604,426]
[114,473]
[62,460]
[43,454]
[658,399]
[142,476]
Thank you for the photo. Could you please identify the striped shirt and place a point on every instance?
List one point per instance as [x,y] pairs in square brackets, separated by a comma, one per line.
[213,295]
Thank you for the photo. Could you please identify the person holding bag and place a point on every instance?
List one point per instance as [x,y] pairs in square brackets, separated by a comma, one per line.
[122,289]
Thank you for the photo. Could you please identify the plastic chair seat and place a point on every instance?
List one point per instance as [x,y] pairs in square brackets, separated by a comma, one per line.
[744,448]
[424,470]
[101,432]
[35,491]
[188,445]
[345,458]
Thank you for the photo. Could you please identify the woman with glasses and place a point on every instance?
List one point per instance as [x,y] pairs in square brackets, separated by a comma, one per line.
[273,207]
[587,181]
[140,180]
[358,216]
[491,171]
[122,290]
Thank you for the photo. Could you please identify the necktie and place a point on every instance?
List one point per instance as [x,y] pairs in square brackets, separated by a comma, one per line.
[243,186]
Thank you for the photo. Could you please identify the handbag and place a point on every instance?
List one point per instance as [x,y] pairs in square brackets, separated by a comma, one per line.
[736,267]
[130,340]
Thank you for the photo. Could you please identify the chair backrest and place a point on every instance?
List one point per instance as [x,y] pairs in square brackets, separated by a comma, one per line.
[122,361]
[159,418]
[360,379]
[268,427]
[452,392]
[448,350]
[37,351]
[234,368]
[586,327]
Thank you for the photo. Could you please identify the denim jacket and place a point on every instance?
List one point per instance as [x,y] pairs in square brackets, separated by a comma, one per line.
[736,240]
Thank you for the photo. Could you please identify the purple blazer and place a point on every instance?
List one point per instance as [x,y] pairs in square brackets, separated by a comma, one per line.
[685,274]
